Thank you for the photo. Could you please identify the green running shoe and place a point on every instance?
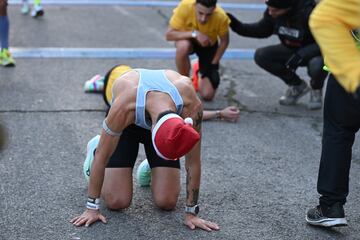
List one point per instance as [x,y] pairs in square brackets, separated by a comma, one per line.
[143,174]
[6,59]
[90,152]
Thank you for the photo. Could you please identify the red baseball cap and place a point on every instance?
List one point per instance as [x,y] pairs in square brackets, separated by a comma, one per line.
[173,137]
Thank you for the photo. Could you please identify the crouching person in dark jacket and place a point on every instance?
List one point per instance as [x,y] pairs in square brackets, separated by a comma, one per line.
[289,20]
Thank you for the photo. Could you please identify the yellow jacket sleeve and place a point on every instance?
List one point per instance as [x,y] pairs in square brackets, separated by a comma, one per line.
[331,23]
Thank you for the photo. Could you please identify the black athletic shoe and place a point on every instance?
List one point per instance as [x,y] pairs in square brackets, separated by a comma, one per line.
[333,216]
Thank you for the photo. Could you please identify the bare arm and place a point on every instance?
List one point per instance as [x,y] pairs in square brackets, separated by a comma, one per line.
[174,35]
[193,166]
[230,113]
[104,150]
[114,124]
[224,43]
[193,175]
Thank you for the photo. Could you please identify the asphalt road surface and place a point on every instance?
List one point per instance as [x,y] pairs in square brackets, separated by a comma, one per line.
[259,174]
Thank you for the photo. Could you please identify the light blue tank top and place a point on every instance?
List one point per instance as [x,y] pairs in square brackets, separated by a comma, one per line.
[154,80]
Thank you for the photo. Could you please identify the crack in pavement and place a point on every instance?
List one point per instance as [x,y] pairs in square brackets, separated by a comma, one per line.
[104,110]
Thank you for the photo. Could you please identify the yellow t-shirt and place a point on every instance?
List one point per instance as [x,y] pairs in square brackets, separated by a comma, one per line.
[330,23]
[184,19]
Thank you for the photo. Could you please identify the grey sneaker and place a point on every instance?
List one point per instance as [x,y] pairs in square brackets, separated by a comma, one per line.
[294,93]
[315,99]
[333,216]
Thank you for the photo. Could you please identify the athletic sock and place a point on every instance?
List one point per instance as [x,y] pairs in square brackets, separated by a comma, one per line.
[4,31]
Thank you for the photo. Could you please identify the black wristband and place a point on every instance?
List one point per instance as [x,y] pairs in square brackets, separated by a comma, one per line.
[93,200]
[93,203]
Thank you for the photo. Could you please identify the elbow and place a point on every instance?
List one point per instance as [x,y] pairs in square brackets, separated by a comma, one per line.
[168,35]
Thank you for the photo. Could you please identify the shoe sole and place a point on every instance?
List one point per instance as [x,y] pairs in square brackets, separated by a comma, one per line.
[328,222]
[9,65]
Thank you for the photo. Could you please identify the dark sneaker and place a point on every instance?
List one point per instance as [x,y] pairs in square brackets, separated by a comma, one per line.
[333,216]
[294,93]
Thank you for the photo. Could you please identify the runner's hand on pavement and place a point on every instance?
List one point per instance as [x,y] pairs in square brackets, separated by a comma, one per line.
[230,113]
[195,222]
[88,217]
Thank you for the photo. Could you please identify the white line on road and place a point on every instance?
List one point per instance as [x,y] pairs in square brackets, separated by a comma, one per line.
[238,6]
[138,53]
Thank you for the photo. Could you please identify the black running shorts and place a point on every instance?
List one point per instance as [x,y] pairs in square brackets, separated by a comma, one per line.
[128,147]
[206,55]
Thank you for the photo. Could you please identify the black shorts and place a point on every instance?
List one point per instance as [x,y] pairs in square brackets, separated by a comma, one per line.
[127,150]
[206,55]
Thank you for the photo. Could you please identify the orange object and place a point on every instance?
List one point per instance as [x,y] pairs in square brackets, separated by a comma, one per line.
[195,74]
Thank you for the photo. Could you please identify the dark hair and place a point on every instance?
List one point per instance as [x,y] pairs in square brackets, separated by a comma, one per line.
[280,4]
[163,114]
[207,3]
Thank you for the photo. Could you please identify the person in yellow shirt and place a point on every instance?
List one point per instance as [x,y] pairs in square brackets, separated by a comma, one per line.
[332,23]
[201,27]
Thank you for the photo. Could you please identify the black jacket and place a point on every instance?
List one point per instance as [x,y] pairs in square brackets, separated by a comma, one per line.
[292,27]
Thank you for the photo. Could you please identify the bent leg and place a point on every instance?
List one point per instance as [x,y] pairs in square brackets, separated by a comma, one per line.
[183,49]
[210,77]
[316,72]
[206,90]
[117,188]
[273,59]
[165,186]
